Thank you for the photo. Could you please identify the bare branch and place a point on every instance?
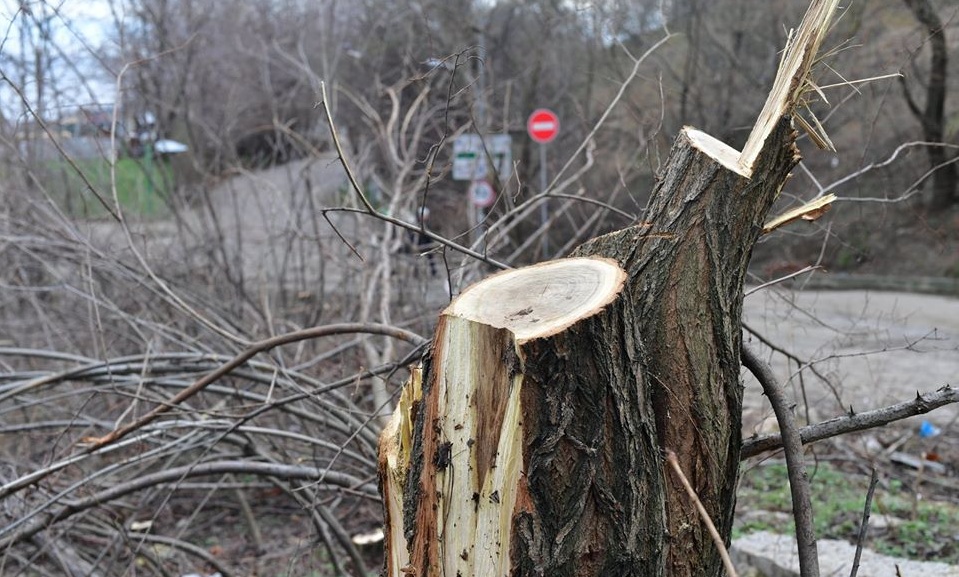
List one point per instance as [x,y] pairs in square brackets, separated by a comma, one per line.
[798,480]
[921,405]
[255,349]
[802,271]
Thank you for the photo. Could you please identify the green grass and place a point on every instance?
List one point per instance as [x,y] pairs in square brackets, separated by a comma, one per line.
[925,530]
[141,186]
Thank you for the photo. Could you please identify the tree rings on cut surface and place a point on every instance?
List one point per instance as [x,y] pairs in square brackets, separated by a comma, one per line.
[540,300]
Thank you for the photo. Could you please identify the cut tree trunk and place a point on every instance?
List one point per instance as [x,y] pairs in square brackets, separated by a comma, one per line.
[531,440]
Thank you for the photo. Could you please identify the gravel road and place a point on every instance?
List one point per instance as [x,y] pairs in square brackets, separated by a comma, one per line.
[875,348]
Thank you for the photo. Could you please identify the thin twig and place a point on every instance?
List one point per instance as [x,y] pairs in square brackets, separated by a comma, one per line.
[776,281]
[339,151]
[348,244]
[796,469]
[717,539]
[883,163]
[864,526]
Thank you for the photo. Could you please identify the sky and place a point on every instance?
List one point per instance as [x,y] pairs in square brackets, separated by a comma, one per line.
[77,30]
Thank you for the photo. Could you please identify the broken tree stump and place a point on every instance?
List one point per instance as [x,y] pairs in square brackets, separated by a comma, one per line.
[531,439]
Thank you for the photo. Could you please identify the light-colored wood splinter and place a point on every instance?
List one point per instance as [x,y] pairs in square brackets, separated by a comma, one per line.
[812,210]
[792,78]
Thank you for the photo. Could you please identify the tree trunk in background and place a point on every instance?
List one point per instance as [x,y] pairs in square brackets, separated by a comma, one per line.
[945,181]
[531,440]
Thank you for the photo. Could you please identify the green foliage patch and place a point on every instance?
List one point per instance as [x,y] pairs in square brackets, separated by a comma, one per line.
[916,528]
[141,186]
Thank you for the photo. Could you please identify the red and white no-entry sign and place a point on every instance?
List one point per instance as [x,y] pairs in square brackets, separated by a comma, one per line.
[543,125]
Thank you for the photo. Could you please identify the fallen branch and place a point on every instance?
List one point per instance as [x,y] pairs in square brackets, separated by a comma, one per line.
[856,422]
[175,475]
[256,348]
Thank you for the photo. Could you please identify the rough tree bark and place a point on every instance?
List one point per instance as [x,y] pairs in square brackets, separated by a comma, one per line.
[531,440]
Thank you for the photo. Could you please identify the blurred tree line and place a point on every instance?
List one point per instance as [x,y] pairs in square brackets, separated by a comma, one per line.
[238,79]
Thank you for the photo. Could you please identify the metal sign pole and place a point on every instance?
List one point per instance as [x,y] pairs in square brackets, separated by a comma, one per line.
[543,207]
[543,126]
[480,122]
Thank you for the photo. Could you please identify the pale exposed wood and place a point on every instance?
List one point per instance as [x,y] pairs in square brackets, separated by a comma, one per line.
[812,210]
[396,443]
[718,150]
[471,460]
[479,422]
[542,299]
[791,78]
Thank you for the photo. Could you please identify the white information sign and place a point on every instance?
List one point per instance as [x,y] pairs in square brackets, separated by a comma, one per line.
[470,156]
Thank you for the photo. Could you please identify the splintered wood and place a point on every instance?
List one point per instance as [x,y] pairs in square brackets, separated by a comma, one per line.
[792,78]
[470,482]
[812,210]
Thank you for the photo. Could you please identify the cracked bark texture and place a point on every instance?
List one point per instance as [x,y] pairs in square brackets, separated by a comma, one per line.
[683,303]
